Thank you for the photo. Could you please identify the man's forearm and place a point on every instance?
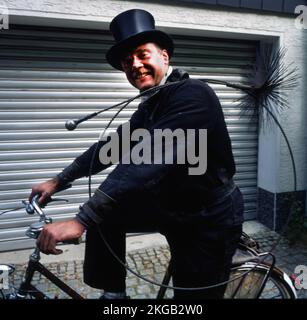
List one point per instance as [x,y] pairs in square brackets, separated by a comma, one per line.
[96,209]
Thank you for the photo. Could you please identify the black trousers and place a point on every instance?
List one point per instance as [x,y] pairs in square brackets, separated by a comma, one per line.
[201,244]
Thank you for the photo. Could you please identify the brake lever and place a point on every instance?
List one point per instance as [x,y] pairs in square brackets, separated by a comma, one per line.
[57,199]
[33,206]
[28,206]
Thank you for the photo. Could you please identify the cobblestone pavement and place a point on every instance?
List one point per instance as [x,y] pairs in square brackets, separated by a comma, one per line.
[151,263]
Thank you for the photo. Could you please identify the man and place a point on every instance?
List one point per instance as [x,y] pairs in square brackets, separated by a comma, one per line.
[200,215]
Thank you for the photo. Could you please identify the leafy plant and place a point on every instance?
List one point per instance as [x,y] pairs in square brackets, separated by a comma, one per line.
[296,230]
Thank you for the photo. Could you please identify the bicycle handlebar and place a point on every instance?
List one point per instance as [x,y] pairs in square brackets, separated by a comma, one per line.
[34,207]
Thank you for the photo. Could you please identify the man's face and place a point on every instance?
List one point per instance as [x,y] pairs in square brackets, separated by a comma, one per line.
[145,66]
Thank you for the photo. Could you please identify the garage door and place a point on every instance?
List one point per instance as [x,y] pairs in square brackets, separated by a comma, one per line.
[49,75]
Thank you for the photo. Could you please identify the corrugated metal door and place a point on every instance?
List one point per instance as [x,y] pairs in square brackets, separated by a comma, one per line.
[49,75]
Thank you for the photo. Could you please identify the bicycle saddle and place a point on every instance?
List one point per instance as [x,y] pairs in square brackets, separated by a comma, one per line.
[243,256]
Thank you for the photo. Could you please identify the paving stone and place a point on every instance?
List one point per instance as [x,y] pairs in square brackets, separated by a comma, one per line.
[131,282]
[131,292]
[143,289]
[94,295]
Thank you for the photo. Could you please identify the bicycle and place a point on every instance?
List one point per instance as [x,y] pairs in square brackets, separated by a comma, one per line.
[250,278]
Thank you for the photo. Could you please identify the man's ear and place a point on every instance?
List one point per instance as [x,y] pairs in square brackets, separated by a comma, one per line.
[165,56]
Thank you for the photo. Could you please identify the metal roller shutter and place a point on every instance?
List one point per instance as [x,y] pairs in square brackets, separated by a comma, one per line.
[49,75]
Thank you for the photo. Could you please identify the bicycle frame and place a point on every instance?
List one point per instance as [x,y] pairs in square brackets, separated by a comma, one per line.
[26,287]
[249,259]
[35,266]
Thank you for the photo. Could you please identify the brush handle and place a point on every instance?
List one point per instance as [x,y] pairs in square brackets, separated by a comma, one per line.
[244,87]
[240,86]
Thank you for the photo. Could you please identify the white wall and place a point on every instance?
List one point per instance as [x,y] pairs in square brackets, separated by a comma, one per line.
[275,171]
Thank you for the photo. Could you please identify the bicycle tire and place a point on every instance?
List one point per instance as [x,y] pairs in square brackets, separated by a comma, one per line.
[4,292]
[2,295]
[277,286]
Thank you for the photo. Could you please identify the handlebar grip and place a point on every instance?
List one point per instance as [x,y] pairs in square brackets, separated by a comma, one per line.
[73,241]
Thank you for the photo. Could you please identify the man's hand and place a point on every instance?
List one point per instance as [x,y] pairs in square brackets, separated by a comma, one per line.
[45,189]
[56,232]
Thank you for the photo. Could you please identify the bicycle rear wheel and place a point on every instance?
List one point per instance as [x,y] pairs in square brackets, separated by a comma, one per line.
[247,285]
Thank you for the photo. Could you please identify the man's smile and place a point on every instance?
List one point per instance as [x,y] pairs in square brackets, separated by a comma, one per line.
[141,75]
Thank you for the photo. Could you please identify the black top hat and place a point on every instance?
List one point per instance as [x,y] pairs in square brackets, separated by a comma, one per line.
[132,28]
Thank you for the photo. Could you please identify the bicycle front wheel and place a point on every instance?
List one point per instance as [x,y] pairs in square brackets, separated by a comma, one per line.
[5,271]
[249,283]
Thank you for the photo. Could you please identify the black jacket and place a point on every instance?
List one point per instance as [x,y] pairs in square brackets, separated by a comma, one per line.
[188,104]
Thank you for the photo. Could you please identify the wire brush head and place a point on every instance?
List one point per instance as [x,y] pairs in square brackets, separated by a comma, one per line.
[270,81]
